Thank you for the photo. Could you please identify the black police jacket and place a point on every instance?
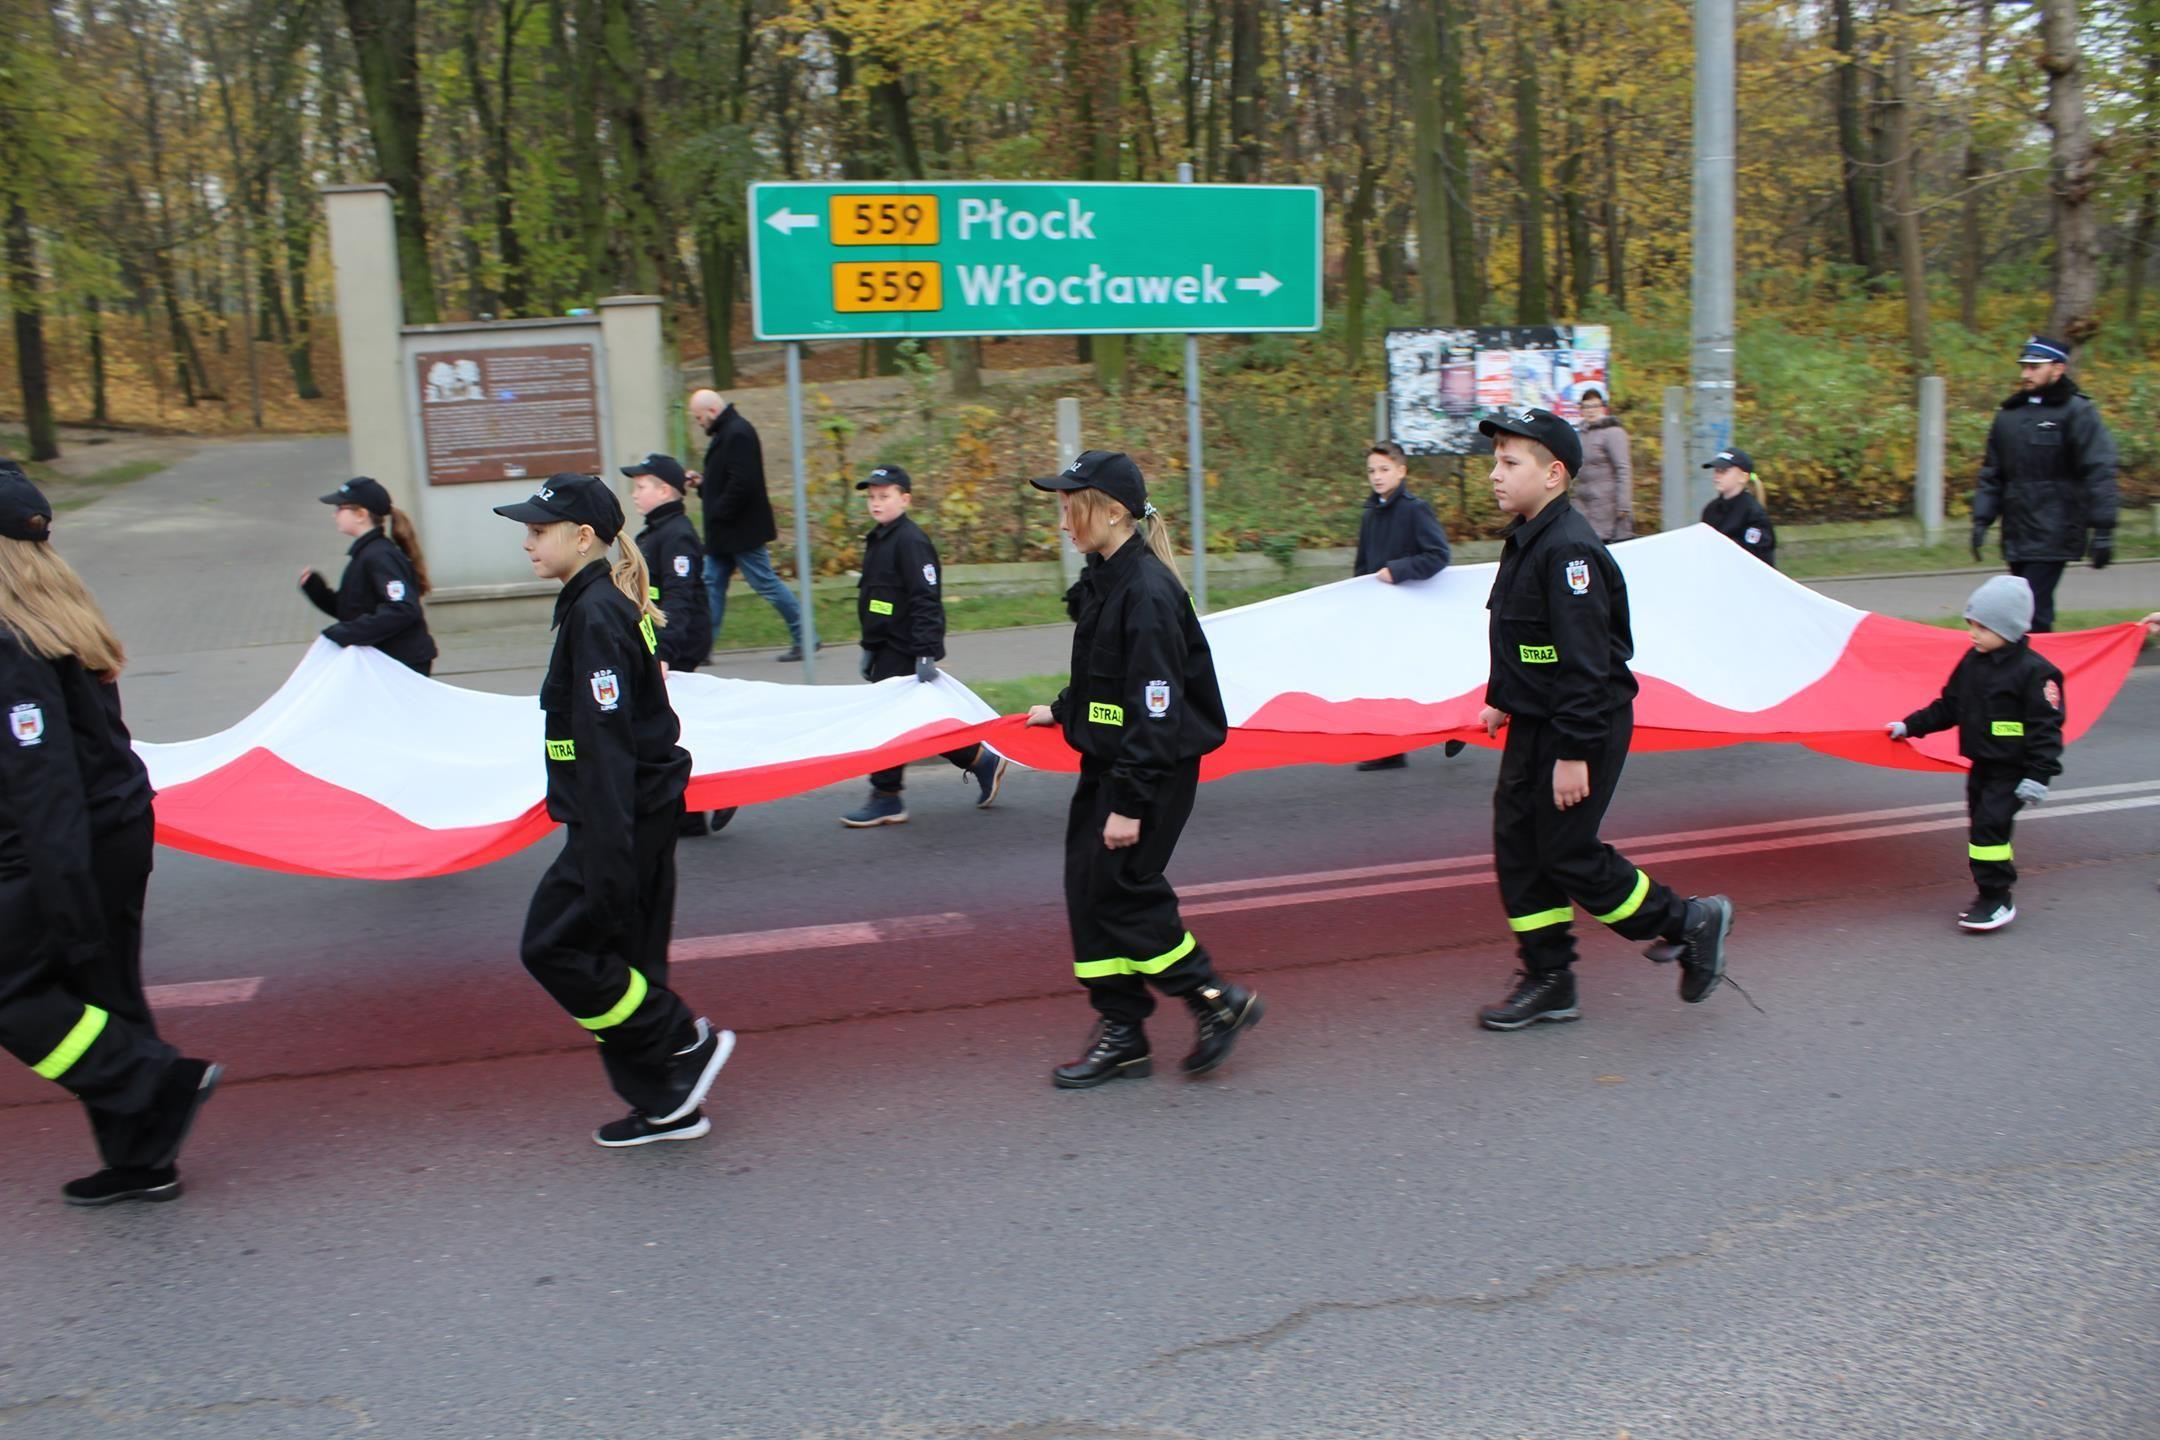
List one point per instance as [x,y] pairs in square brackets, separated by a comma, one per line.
[611,751]
[2048,474]
[1143,698]
[1402,536]
[1559,630]
[2007,706]
[675,559]
[898,599]
[738,512]
[377,602]
[1743,521]
[68,775]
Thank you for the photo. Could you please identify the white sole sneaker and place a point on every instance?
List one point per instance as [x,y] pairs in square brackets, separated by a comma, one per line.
[724,1047]
[699,1131]
[1980,925]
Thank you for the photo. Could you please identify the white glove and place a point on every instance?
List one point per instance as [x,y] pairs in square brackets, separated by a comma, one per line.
[2032,792]
[1896,729]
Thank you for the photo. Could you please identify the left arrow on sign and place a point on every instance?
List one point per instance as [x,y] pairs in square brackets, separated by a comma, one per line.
[1264,283]
[787,221]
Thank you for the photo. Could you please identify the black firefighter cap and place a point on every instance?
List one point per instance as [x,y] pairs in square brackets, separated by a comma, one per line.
[664,468]
[888,475]
[1736,459]
[1548,429]
[580,499]
[1110,471]
[24,513]
[368,494]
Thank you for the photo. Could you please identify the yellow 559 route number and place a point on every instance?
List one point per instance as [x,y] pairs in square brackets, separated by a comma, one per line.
[875,286]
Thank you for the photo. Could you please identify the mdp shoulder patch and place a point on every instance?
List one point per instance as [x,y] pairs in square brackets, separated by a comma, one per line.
[26,723]
[682,564]
[395,590]
[1753,535]
[1157,695]
[929,572]
[2053,693]
[1578,576]
[606,689]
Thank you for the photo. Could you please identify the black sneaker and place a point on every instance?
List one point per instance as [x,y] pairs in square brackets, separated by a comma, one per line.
[1455,747]
[635,1129]
[1385,762]
[110,1187]
[1115,1052]
[988,773]
[180,1096]
[1702,946]
[1221,1013]
[1987,912]
[692,1069]
[1538,995]
[720,818]
[694,823]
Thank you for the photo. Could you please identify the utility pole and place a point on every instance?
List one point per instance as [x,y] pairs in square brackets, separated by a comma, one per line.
[1711,368]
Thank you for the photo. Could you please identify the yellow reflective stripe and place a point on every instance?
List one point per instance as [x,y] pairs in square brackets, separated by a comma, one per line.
[1097,969]
[2006,727]
[633,997]
[1988,852]
[1539,921]
[1630,905]
[1101,713]
[80,1039]
[653,591]
[881,607]
[645,628]
[1538,654]
[562,749]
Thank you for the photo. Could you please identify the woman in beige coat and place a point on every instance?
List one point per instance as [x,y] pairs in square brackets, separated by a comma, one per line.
[1604,490]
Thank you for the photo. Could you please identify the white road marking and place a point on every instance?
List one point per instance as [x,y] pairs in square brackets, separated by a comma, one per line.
[201,994]
[818,937]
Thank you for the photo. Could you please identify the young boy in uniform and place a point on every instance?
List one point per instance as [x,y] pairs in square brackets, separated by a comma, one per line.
[903,633]
[2006,701]
[1399,538]
[1561,688]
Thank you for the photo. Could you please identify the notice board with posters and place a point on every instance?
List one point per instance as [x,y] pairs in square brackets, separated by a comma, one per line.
[515,413]
[1441,382]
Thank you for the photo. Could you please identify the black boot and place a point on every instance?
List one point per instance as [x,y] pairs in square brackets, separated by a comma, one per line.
[1116,1051]
[1538,995]
[1221,1011]
[1702,947]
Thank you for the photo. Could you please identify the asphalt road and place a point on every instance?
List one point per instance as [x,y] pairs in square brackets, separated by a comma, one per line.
[1913,1197]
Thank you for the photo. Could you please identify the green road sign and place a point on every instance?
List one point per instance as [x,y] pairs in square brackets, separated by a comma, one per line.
[1020,257]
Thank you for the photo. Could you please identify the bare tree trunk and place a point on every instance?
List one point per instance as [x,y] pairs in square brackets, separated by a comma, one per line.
[1862,225]
[492,116]
[99,411]
[1436,279]
[1904,201]
[1972,223]
[2073,174]
[30,359]
[1463,264]
[385,36]
[1613,217]
[1358,217]
[1531,304]
[2140,259]
[1246,100]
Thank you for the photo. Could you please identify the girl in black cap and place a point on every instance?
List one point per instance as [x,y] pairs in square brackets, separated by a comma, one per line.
[1142,708]
[1737,513]
[596,935]
[377,602]
[75,845]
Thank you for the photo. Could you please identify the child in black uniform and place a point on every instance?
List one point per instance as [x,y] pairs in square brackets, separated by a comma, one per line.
[377,601]
[75,848]
[675,558]
[2006,701]
[1142,708]
[596,936]
[1738,512]
[1399,538]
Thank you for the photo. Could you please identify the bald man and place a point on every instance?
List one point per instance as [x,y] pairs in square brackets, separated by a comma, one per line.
[738,515]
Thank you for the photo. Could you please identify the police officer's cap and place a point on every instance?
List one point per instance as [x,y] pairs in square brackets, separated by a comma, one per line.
[368,494]
[1548,429]
[1110,471]
[580,499]
[1732,459]
[664,468]
[24,512]
[888,475]
[2044,350]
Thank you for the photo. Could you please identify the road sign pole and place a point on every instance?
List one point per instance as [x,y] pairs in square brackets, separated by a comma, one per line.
[805,576]
[1195,475]
[1068,450]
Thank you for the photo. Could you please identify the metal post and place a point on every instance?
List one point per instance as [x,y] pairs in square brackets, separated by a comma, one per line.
[1196,479]
[1383,419]
[1673,510]
[1711,371]
[804,570]
[1928,472]
[1068,450]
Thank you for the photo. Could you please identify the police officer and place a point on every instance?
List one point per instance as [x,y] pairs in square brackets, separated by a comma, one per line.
[1142,708]
[1561,688]
[899,605]
[75,850]
[596,935]
[2049,475]
[377,601]
[1737,512]
[1399,538]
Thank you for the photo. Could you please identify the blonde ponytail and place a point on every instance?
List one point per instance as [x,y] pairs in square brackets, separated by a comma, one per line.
[51,613]
[631,577]
[1755,482]
[407,538]
[1157,535]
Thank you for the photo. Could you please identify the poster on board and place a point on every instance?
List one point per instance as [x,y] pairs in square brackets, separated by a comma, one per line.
[1441,382]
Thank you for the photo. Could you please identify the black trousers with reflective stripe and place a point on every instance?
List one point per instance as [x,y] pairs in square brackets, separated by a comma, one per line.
[586,965]
[1549,859]
[889,665]
[44,1000]
[1991,805]
[1119,904]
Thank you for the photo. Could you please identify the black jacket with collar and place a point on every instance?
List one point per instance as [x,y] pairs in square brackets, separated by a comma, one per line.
[2048,474]
[1402,536]
[2007,706]
[898,600]
[675,560]
[377,602]
[1559,629]
[1742,520]
[738,512]
[1143,698]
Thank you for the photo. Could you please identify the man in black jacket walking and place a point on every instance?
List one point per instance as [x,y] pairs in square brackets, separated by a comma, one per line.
[2049,474]
[1399,539]
[738,515]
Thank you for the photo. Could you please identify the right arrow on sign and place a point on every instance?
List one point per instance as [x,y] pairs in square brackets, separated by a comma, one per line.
[788,222]
[1265,284]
